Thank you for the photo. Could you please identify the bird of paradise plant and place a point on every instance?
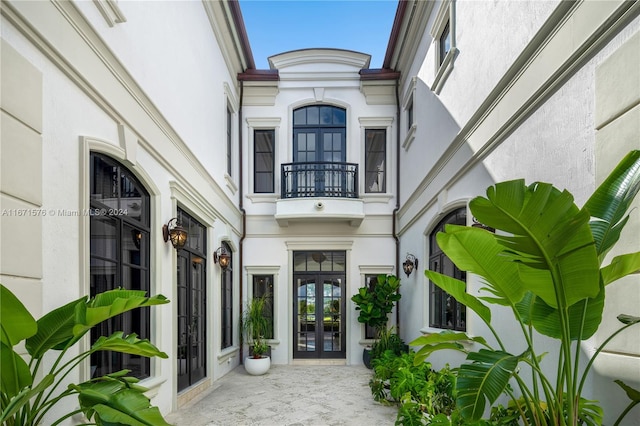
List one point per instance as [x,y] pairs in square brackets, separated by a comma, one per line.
[545,263]
[28,391]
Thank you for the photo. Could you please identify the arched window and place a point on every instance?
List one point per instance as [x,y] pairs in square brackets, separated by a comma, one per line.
[444,310]
[319,167]
[119,255]
[319,134]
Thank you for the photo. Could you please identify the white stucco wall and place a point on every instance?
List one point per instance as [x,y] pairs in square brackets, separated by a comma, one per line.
[555,141]
[94,99]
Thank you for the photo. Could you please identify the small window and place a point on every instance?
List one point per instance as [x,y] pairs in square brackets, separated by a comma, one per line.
[445,43]
[263,287]
[444,311]
[443,33]
[229,142]
[410,114]
[227,301]
[369,331]
[263,161]
[375,157]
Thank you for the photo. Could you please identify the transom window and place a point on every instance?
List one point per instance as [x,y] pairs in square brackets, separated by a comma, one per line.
[119,256]
[444,311]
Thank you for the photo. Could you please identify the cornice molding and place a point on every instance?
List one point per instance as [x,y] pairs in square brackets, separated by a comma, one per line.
[567,14]
[113,70]
[294,58]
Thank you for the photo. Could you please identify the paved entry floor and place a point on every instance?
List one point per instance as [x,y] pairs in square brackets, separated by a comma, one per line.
[289,395]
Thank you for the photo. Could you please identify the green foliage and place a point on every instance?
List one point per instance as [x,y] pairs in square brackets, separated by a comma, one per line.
[545,263]
[111,399]
[376,302]
[388,341]
[255,325]
[422,394]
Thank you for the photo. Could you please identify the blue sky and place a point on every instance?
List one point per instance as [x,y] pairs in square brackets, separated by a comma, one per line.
[279,26]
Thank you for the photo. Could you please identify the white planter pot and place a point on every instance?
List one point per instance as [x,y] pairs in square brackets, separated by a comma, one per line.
[257,367]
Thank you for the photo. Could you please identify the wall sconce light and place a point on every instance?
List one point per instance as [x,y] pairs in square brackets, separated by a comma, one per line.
[476,224]
[174,231]
[409,264]
[221,257]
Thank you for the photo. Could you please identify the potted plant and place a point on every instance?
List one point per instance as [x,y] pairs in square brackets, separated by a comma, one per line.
[255,326]
[31,386]
[375,302]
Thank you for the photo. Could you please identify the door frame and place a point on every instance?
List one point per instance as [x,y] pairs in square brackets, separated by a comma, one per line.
[192,257]
[320,278]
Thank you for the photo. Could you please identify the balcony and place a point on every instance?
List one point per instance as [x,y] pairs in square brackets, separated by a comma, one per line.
[319,192]
[319,179]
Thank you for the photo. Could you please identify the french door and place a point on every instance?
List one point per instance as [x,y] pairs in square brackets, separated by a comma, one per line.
[315,153]
[319,306]
[192,304]
[319,317]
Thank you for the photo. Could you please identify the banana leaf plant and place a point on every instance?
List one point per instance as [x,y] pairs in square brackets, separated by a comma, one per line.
[545,263]
[28,391]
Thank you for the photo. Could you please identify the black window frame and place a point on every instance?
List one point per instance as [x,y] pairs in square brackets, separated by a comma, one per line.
[444,42]
[309,120]
[371,174]
[226,311]
[262,285]
[128,249]
[370,332]
[229,142]
[444,311]
[265,177]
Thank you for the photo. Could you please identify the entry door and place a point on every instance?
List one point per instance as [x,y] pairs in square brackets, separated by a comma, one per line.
[192,304]
[319,316]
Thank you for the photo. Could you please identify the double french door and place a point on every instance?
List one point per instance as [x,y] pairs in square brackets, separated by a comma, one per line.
[318,157]
[319,306]
[319,317]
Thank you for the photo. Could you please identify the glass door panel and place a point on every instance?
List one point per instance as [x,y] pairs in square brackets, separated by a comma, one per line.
[319,317]
[332,321]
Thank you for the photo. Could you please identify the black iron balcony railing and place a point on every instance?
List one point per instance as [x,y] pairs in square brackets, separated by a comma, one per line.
[319,179]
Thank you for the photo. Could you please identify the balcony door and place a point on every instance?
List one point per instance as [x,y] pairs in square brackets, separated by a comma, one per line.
[318,143]
[319,305]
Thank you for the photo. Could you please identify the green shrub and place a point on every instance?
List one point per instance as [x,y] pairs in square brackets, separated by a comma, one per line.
[421,393]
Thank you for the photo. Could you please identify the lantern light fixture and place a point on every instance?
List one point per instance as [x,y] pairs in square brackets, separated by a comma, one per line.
[409,264]
[174,231]
[222,257]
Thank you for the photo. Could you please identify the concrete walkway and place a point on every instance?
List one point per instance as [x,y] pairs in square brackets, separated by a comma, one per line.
[293,395]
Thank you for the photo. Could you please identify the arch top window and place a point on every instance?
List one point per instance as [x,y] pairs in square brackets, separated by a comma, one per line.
[319,115]
[319,167]
[119,249]
[444,311]
[115,189]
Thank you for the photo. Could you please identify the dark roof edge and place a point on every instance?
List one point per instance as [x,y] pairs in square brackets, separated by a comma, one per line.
[378,74]
[234,6]
[395,32]
[259,75]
